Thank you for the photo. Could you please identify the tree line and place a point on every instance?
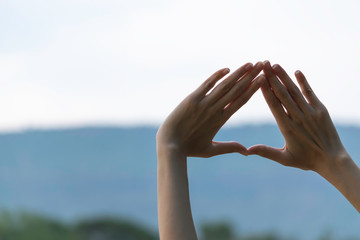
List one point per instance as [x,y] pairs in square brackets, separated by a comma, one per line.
[30,226]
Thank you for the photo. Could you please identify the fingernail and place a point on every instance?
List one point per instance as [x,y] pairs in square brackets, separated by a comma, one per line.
[297,72]
[249,151]
[226,70]
[258,64]
[248,66]
[275,66]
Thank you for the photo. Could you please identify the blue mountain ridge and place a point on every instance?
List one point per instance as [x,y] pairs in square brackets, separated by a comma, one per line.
[82,172]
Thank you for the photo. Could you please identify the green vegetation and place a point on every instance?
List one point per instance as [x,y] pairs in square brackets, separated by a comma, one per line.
[111,229]
[224,231]
[25,226]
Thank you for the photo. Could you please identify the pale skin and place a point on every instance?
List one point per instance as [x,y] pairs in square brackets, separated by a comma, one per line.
[311,140]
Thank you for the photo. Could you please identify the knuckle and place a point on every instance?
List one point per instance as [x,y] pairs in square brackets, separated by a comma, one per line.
[191,101]
[225,88]
[274,101]
[282,94]
[308,91]
[260,150]
[309,117]
[290,130]
[215,112]
[294,92]
[321,113]
[207,84]
[298,120]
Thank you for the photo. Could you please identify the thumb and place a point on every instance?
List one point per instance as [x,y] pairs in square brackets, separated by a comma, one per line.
[275,154]
[218,148]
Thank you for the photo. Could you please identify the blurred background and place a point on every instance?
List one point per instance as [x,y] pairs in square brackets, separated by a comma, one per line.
[84,86]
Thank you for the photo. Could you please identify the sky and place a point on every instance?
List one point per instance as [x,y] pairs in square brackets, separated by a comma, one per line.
[70,63]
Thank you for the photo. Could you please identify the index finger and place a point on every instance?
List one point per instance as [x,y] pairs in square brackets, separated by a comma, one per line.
[209,83]
[226,85]
[291,87]
[275,105]
[306,89]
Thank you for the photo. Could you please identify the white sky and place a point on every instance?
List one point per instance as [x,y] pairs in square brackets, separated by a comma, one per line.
[76,62]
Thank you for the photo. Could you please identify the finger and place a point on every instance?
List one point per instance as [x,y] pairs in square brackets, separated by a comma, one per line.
[293,90]
[275,154]
[275,106]
[241,100]
[240,87]
[306,89]
[210,82]
[281,93]
[227,84]
[218,148]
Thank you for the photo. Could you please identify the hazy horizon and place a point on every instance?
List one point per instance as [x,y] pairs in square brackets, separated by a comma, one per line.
[78,62]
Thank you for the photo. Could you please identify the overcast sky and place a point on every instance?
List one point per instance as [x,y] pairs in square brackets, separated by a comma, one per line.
[84,62]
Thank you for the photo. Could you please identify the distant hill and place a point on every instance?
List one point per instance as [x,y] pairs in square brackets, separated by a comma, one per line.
[80,172]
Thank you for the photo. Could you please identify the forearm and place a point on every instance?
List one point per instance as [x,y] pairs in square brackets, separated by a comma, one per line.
[344,174]
[174,212]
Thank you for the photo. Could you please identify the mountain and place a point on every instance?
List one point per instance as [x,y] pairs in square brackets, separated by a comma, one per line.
[81,172]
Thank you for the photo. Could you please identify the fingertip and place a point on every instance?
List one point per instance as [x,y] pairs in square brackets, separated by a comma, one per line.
[276,67]
[267,66]
[300,77]
[250,151]
[259,64]
[225,70]
[299,74]
[245,153]
[242,149]
[248,66]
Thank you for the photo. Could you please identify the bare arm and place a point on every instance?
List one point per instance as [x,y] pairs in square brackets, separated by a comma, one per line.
[188,131]
[311,139]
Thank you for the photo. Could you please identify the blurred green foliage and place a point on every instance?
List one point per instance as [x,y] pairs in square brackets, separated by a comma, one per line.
[26,226]
[224,231]
[110,229]
[217,231]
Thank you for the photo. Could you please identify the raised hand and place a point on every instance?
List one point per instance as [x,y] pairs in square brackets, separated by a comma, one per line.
[188,131]
[195,121]
[311,140]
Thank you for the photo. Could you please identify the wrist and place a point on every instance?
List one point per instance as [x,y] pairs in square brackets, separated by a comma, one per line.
[168,145]
[169,149]
[336,164]
[344,174]
[171,158]
[339,171]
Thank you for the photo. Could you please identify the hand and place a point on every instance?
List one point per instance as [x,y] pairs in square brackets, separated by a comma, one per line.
[311,140]
[193,124]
